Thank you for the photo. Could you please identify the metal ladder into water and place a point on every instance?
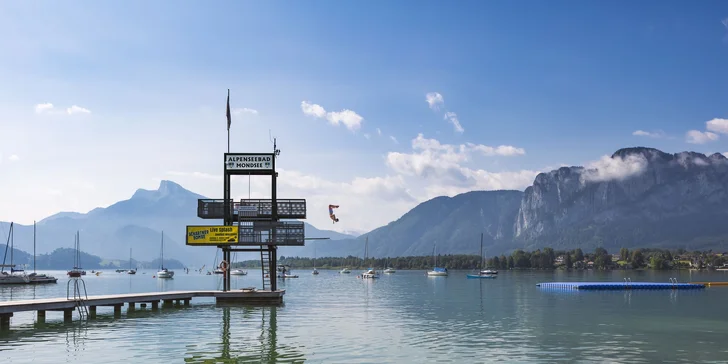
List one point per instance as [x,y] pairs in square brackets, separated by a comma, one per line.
[265,263]
[79,296]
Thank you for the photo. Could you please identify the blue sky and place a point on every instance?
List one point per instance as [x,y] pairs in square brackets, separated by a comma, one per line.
[557,82]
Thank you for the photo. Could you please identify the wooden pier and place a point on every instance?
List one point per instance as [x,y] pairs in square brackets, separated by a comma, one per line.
[7,308]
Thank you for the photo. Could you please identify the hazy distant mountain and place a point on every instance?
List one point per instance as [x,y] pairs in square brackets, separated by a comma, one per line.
[453,223]
[135,223]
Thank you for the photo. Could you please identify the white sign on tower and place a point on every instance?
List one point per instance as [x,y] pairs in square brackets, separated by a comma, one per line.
[248,162]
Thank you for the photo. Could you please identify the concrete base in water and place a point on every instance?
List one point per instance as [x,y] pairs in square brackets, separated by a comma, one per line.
[601,286]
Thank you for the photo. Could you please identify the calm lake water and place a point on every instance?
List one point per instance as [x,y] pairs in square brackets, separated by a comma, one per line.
[405,317]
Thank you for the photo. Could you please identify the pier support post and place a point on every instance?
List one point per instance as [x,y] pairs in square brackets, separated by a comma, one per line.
[155,305]
[41,317]
[131,308]
[68,316]
[167,303]
[5,321]
[92,311]
[117,310]
[187,302]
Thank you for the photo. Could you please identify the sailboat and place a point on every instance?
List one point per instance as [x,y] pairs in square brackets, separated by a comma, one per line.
[238,271]
[164,272]
[22,278]
[77,271]
[482,273]
[315,272]
[389,270]
[130,271]
[217,269]
[370,273]
[436,271]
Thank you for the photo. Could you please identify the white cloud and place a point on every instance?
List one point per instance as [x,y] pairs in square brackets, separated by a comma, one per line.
[717,125]
[434,100]
[314,110]
[654,134]
[452,118]
[349,118]
[725,154]
[379,132]
[394,139]
[699,137]
[366,135]
[442,165]
[43,108]
[617,168]
[77,110]
[501,150]
[13,158]
[245,110]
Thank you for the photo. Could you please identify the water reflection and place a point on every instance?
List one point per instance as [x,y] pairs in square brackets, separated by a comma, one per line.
[239,344]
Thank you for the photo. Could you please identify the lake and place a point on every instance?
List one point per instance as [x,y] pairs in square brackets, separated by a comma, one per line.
[404,317]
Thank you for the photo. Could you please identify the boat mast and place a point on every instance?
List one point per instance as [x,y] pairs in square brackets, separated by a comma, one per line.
[12,245]
[162,261]
[482,260]
[33,246]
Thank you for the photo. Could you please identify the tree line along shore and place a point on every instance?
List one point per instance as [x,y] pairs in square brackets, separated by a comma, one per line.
[546,258]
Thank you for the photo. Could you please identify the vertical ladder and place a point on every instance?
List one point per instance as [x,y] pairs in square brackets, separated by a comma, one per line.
[79,295]
[265,264]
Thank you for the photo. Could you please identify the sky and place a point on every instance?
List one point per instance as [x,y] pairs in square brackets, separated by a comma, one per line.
[376,106]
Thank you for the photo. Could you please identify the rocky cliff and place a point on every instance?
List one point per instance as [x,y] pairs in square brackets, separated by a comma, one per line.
[637,197]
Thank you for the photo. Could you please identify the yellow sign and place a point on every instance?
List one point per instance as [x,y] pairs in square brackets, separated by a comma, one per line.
[212,235]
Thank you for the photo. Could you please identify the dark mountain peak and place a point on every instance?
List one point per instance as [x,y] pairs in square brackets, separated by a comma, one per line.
[718,156]
[650,154]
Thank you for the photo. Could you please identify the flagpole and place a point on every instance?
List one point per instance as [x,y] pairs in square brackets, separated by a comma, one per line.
[228,120]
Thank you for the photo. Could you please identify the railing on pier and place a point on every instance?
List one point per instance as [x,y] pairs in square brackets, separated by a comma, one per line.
[252,209]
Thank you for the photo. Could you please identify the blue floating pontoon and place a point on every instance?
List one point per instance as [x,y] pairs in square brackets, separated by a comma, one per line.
[602,286]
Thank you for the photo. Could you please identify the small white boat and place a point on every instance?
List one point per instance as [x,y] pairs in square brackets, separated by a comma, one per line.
[238,272]
[345,270]
[489,271]
[284,272]
[315,271]
[164,272]
[436,271]
[370,273]
[389,271]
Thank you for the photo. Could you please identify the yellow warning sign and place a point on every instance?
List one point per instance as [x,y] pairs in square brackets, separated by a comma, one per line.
[212,235]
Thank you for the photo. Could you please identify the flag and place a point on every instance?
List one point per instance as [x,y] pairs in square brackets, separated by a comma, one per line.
[228,110]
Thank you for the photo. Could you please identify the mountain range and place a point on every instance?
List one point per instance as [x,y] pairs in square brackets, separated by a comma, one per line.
[638,197]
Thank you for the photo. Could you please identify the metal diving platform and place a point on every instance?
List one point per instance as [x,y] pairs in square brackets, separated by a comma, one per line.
[251,209]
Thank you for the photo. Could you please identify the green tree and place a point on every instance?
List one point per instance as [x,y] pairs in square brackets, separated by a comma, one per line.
[496,262]
[511,262]
[578,255]
[568,262]
[624,254]
[656,261]
[638,260]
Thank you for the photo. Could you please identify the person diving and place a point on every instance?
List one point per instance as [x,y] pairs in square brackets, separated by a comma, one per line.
[331,213]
